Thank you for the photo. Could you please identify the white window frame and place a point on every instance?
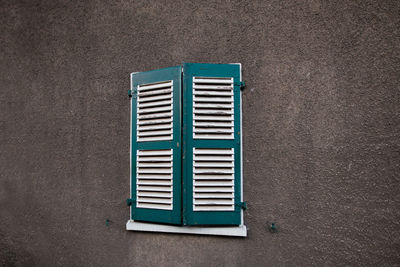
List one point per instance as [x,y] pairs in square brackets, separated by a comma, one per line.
[239,231]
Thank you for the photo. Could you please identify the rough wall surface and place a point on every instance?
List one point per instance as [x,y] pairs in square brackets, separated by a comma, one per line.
[321,129]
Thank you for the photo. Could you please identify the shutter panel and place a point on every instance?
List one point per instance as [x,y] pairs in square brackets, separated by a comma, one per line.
[212,148]
[156,150]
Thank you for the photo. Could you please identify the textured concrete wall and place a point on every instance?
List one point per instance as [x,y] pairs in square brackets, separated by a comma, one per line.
[321,129]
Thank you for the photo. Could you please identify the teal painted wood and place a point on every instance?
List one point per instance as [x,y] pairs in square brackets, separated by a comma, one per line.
[191,217]
[157,215]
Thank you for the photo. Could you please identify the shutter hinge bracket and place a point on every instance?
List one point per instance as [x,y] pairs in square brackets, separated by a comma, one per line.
[242,205]
[130,201]
[130,93]
[242,85]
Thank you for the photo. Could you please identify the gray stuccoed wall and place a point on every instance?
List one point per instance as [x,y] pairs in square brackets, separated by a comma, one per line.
[321,115]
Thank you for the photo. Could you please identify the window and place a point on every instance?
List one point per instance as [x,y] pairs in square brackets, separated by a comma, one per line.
[186,161]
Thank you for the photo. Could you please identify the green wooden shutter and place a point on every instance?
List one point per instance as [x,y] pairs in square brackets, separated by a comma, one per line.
[211,136]
[156,146]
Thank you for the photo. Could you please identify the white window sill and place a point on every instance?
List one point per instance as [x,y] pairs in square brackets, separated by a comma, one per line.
[240,230]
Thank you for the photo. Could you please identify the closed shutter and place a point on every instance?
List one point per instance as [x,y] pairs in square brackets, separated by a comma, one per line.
[156,149]
[212,156]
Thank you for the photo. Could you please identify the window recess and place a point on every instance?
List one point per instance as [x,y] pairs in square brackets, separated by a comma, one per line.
[186,150]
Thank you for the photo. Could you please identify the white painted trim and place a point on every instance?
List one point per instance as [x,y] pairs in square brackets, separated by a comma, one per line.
[241,148]
[239,231]
[130,150]
[130,147]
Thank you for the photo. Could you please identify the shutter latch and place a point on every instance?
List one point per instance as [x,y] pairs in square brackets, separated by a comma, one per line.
[240,84]
[130,93]
[130,201]
[242,205]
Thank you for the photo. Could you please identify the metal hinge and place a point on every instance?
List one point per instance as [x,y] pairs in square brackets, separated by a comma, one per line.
[242,85]
[242,205]
[130,93]
[130,201]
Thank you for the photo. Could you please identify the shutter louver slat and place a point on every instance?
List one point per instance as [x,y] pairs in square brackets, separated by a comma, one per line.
[156,98]
[155,92]
[156,85]
[213,179]
[155,112]
[159,127]
[155,121]
[214,99]
[154,133]
[155,194]
[152,110]
[213,103]
[156,103]
[213,80]
[213,118]
[154,179]
[153,116]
